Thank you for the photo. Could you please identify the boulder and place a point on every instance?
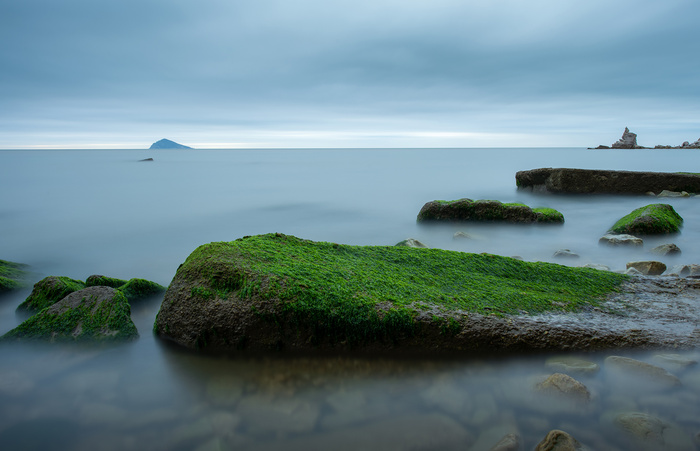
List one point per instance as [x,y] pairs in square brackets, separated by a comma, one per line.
[48,291]
[103,281]
[557,440]
[487,210]
[13,275]
[648,268]
[138,289]
[564,385]
[666,249]
[615,239]
[94,314]
[411,242]
[654,219]
[642,370]
[595,181]
[627,141]
[566,254]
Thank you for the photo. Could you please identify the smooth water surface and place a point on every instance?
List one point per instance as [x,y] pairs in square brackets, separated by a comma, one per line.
[77,213]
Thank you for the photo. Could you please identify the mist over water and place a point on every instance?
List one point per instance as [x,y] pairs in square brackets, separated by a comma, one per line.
[77,213]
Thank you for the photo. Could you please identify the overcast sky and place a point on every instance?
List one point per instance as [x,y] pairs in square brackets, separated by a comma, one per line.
[337,73]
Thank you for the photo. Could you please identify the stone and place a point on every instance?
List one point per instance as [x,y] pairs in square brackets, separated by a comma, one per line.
[627,141]
[97,280]
[564,385]
[667,193]
[13,276]
[557,440]
[48,291]
[614,239]
[167,144]
[509,442]
[572,365]
[642,370]
[565,253]
[642,426]
[674,360]
[487,211]
[633,272]
[595,181]
[666,249]
[92,314]
[147,159]
[596,266]
[685,270]
[411,242]
[139,289]
[461,236]
[648,267]
[653,219]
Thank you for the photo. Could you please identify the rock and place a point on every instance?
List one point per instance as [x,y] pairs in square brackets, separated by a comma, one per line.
[563,385]
[642,370]
[633,272]
[91,314]
[614,239]
[596,266]
[666,249]
[104,281]
[565,253]
[147,159]
[590,181]
[411,242]
[675,360]
[652,219]
[13,275]
[559,441]
[510,442]
[572,365]
[685,270]
[648,268]
[167,144]
[667,193]
[644,427]
[628,141]
[461,235]
[138,289]
[48,291]
[486,210]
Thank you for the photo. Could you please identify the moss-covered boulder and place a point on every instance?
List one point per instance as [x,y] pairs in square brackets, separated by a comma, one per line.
[487,210]
[275,291]
[48,291]
[654,219]
[93,314]
[13,275]
[97,280]
[138,289]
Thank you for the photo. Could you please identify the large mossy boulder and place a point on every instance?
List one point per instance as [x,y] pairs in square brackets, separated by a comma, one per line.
[487,210]
[48,291]
[279,292]
[13,275]
[654,219]
[93,314]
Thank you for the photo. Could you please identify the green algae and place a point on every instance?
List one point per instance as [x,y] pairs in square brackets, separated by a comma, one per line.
[104,281]
[361,293]
[487,210]
[48,291]
[138,289]
[13,275]
[652,219]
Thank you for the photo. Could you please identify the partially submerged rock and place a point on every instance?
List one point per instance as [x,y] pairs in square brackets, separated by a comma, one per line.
[596,181]
[666,249]
[13,275]
[559,384]
[615,239]
[138,289]
[487,210]
[557,440]
[654,219]
[91,314]
[648,267]
[411,242]
[48,291]
[97,280]
[642,370]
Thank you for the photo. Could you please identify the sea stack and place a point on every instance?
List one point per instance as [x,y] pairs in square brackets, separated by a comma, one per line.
[628,141]
[167,144]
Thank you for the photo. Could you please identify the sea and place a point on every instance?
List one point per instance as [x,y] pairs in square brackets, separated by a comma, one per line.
[77,213]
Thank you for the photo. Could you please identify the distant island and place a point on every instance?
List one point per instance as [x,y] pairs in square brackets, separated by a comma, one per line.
[167,144]
[629,141]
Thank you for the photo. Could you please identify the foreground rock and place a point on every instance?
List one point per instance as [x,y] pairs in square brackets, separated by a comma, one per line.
[594,181]
[486,210]
[91,314]
[654,219]
[648,267]
[167,144]
[13,275]
[276,292]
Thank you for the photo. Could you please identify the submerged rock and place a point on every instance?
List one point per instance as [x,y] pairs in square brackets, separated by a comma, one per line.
[642,370]
[654,219]
[615,239]
[90,314]
[566,254]
[13,275]
[411,242]
[572,365]
[486,210]
[666,249]
[509,442]
[48,291]
[557,440]
[564,385]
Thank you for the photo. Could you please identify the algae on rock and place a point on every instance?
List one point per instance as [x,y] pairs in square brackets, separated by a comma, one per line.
[48,291]
[487,210]
[653,219]
[13,275]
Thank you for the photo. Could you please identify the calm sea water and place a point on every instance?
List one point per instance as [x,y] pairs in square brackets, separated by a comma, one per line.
[77,213]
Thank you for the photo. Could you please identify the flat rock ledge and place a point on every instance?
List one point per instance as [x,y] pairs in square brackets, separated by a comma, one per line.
[645,313]
[487,210]
[595,181]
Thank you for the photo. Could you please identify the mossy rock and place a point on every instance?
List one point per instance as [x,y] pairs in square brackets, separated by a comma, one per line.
[13,275]
[93,314]
[48,291]
[654,219]
[103,281]
[138,289]
[487,210]
[276,291]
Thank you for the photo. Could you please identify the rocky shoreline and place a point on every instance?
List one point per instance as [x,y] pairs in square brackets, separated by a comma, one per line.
[629,141]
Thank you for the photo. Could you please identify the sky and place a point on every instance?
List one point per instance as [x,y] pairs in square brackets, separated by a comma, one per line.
[340,73]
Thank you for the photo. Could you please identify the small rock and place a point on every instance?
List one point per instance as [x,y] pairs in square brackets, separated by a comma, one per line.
[147,159]
[510,442]
[633,272]
[596,266]
[685,270]
[411,242]
[674,360]
[648,267]
[567,364]
[666,249]
[642,426]
[565,253]
[562,384]
[642,369]
[612,239]
[557,440]
[461,235]
[667,193]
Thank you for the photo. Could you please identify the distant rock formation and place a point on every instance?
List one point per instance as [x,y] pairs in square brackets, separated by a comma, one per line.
[167,144]
[685,145]
[629,141]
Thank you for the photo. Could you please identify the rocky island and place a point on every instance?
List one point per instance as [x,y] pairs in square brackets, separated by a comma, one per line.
[629,141]
[167,144]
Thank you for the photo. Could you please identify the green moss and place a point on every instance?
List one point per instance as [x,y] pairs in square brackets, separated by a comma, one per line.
[48,291]
[649,220]
[363,293]
[487,210]
[104,281]
[137,289]
[547,215]
[88,321]
[13,275]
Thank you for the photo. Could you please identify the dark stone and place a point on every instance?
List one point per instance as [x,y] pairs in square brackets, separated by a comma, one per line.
[48,291]
[486,210]
[594,181]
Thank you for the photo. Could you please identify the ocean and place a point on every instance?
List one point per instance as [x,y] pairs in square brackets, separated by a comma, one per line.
[81,212]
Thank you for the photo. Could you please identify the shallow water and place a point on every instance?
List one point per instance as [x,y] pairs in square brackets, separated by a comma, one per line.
[77,213]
